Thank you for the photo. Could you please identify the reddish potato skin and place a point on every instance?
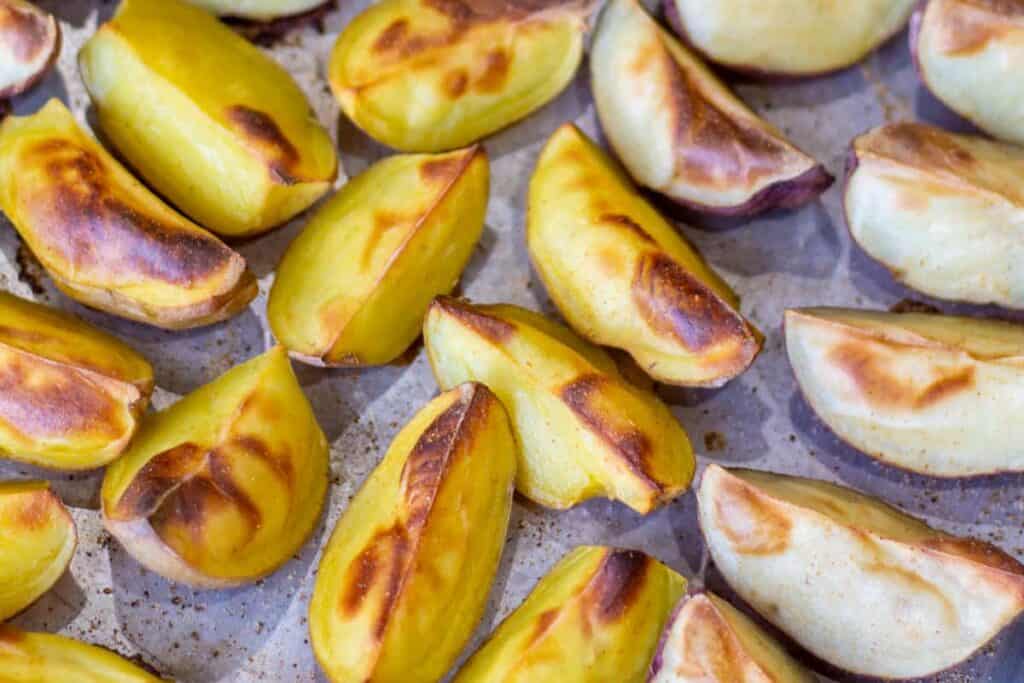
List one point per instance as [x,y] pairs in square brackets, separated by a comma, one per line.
[19,88]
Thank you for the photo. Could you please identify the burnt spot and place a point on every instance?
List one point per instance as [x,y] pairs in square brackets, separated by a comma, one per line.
[455,83]
[626,223]
[396,33]
[966,27]
[541,626]
[156,479]
[495,329]
[495,73]
[263,137]
[381,567]
[918,145]
[449,167]
[749,520]
[10,635]
[707,642]
[35,510]
[254,447]
[618,583]
[26,33]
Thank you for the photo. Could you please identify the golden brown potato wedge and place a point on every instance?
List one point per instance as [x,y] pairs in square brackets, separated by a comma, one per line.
[595,618]
[434,75]
[29,44]
[944,213]
[104,238]
[970,54]
[71,396]
[46,658]
[260,10]
[707,640]
[224,486]
[583,430]
[934,394]
[406,575]
[354,286]
[858,583]
[213,124]
[37,540]
[789,38]
[622,276]
[681,132]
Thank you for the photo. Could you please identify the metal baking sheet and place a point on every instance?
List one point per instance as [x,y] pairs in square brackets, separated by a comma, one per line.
[784,259]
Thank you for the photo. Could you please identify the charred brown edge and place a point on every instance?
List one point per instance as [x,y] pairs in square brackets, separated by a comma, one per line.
[498,330]
[20,88]
[658,661]
[268,32]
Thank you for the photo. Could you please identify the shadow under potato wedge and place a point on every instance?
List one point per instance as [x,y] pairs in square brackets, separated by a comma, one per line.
[434,75]
[408,570]
[226,485]
[621,274]
[681,132]
[353,287]
[30,41]
[858,583]
[260,10]
[27,657]
[212,123]
[104,238]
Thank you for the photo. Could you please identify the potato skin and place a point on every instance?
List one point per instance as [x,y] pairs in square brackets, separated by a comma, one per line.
[594,618]
[434,75]
[622,276]
[353,287]
[30,42]
[416,551]
[224,486]
[260,10]
[155,266]
[46,658]
[156,75]
[583,430]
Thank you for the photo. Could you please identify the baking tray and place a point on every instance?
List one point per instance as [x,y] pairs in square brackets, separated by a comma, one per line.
[784,259]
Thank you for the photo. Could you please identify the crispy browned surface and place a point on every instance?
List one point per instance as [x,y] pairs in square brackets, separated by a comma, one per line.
[966,27]
[494,329]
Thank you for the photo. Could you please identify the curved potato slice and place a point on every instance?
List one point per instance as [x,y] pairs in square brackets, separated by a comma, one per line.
[209,121]
[71,396]
[46,658]
[583,430]
[621,274]
[707,640]
[943,212]
[433,75]
[594,618]
[260,10]
[858,583]
[104,238]
[970,54]
[416,551]
[934,394]
[681,132]
[787,37]
[353,287]
[224,486]
[37,540]
[30,41]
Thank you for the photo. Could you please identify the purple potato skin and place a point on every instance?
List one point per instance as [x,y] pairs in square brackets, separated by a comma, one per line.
[659,654]
[19,88]
[784,194]
[268,33]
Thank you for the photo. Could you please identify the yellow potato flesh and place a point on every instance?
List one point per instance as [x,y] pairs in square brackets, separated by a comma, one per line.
[45,658]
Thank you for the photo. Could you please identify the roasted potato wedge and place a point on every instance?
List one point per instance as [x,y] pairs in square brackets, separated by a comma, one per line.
[970,55]
[37,540]
[583,430]
[595,618]
[434,75]
[354,286]
[260,10]
[621,274]
[213,124]
[224,486]
[415,553]
[934,394]
[29,44]
[707,640]
[788,38]
[681,132]
[71,396]
[104,238]
[856,582]
[944,213]
[46,658]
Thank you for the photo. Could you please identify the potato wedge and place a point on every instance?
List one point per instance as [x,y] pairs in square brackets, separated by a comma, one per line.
[857,582]
[434,75]
[213,124]
[621,274]
[934,394]
[583,430]
[353,287]
[707,640]
[37,541]
[789,38]
[944,213]
[104,238]
[260,10]
[30,42]
[224,486]
[71,396]
[681,132]
[46,658]
[406,575]
[970,54]
[594,618]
